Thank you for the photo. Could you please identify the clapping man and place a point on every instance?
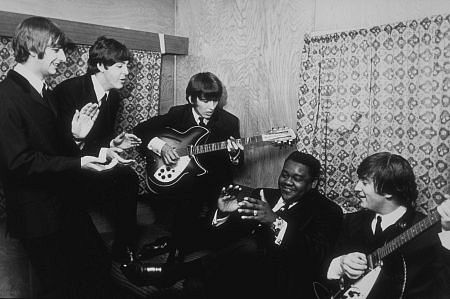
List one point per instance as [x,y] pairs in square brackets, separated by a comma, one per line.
[38,175]
[107,72]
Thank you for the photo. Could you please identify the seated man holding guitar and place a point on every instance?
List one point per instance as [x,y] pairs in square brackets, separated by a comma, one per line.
[194,182]
[389,250]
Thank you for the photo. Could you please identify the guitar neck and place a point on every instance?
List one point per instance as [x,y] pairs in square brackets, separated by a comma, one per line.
[403,238]
[216,146]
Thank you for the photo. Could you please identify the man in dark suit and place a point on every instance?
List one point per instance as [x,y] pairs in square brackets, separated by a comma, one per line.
[38,176]
[292,228]
[107,72]
[193,200]
[271,244]
[388,192]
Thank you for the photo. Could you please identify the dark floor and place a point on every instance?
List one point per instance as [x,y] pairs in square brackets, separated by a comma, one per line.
[18,281]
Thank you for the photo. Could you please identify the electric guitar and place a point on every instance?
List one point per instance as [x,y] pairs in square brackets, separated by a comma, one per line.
[188,145]
[361,288]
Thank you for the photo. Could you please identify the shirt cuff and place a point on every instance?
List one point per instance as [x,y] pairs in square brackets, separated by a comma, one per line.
[335,269]
[219,221]
[445,239]
[155,145]
[102,154]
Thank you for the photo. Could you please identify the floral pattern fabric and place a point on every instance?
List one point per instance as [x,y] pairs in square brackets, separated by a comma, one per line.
[386,88]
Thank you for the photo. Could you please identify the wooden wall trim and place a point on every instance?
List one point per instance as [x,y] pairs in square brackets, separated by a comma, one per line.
[84,33]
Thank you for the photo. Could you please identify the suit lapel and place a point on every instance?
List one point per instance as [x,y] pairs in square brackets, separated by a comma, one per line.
[27,88]
[89,96]
[50,100]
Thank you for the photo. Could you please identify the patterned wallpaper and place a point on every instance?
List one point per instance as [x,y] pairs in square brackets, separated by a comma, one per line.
[386,88]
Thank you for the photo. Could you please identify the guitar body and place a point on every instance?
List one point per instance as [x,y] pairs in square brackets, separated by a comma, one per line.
[160,177]
[386,282]
[188,144]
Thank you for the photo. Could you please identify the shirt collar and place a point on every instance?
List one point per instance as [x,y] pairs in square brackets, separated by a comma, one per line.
[98,89]
[197,117]
[31,78]
[389,219]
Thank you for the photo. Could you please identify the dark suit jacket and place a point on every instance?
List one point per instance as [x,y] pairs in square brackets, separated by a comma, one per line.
[34,169]
[222,125]
[73,94]
[313,226]
[426,259]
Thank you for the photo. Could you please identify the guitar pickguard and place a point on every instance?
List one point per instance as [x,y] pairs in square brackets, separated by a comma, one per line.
[161,177]
[361,288]
[170,175]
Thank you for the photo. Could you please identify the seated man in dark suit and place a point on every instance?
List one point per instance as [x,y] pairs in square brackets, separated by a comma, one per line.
[271,244]
[416,269]
[194,195]
[107,72]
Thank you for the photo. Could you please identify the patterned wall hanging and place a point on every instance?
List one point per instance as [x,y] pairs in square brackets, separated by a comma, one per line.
[386,88]
[140,93]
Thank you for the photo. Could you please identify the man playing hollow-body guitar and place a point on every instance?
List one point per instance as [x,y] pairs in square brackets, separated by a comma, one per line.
[418,268]
[203,93]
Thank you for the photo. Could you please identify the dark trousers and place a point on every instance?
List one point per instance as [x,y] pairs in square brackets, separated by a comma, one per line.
[71,263]
[192,221]
[116,191]
[237,270]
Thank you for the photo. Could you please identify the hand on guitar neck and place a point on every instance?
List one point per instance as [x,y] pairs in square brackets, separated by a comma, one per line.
[170,156]
[354,264]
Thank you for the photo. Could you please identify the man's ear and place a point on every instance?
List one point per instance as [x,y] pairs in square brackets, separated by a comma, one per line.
[314,183]
[388,196]
[190,100]
[101,67]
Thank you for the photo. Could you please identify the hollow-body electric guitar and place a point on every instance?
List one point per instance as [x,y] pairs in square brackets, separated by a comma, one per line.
[361,288]
[188,145]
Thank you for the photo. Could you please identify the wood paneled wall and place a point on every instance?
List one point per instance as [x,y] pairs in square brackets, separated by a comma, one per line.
[254,47]
[146,15]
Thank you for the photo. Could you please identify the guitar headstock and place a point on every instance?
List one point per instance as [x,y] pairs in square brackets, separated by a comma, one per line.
[280,136]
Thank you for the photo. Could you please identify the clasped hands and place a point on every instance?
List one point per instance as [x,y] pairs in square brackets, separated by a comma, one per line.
[249,208]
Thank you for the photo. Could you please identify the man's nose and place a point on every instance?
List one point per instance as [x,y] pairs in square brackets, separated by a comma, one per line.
[62,55]
[358,186]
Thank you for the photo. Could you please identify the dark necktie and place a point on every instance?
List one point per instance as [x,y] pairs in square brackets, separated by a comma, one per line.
[378,229]
[281,210]
[103,101]
[201,122]
[45,94]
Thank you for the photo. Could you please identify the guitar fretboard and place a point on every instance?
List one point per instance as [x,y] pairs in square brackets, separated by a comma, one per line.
[216,146]
[403,238]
